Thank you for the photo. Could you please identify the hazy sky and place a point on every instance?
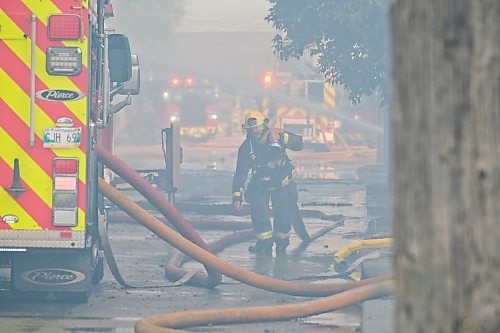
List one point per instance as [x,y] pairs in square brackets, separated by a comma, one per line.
[225,15]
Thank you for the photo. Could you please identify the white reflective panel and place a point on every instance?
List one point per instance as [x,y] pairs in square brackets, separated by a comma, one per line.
[65,218]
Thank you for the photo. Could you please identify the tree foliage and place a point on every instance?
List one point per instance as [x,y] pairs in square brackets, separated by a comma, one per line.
[350,36]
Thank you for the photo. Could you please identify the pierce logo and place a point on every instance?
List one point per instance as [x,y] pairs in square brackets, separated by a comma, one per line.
[53,276]
[59,95]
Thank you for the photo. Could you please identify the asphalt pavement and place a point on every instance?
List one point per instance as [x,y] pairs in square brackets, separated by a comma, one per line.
[327,187]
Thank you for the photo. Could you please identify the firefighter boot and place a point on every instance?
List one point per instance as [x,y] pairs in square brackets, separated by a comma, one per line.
[262,247]
[281,245]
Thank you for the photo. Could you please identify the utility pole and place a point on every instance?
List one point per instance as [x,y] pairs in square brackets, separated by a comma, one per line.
[446,193]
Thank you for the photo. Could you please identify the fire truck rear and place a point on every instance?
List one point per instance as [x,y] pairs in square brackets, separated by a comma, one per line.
[317,131]
[192,103]
[60,73]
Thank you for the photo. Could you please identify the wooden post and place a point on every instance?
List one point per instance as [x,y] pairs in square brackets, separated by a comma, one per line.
[446,163]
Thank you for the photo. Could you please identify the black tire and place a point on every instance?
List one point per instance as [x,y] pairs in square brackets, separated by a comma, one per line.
[98,272]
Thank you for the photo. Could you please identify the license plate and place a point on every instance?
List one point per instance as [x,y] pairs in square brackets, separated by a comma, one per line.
[62,137]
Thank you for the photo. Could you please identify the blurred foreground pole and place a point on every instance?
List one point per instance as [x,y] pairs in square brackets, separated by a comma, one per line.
[446,163]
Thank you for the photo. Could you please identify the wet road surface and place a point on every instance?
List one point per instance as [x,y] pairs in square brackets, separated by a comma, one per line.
[141,255]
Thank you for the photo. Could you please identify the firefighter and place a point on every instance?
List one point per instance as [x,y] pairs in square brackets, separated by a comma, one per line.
[264,154]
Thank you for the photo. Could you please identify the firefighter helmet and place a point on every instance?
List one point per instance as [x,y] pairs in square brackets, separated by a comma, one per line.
[254,118]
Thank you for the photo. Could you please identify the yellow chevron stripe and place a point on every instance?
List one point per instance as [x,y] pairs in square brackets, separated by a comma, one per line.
[32,174]
[25,220]
[42,10]
[291,112]
[78,108]
[280,110]
[18,100]
[329,96]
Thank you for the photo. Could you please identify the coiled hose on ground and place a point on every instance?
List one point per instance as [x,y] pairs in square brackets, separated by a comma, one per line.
[215,263]
[349,292]
[375,287]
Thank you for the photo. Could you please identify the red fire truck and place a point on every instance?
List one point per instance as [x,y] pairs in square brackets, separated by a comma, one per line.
[61,75]
[316,130]
[192,102]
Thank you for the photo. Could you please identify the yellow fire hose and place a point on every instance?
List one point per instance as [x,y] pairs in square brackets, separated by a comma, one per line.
[340,258]
[230,270]
[169,322]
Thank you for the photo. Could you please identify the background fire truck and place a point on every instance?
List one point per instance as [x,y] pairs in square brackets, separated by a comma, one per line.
[192,102]
[297,112]
[317,130]
[61,74]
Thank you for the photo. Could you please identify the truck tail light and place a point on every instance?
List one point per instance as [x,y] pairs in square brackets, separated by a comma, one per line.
[65,192]
[64,27]
[66,166]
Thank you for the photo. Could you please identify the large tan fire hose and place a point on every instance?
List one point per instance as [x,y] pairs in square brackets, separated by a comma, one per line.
[160,202]
[174,272]
[213,262]
[168,322]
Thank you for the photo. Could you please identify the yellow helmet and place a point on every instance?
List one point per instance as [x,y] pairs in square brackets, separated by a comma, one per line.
[254,118]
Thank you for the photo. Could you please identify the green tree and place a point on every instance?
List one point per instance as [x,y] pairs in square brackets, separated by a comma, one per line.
[352,37]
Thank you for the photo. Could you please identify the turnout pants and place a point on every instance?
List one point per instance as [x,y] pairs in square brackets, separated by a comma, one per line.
[284,209]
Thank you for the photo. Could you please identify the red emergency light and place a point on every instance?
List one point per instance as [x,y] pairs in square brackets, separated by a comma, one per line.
[66,166]
[108,10]
[267,79]
[64,27]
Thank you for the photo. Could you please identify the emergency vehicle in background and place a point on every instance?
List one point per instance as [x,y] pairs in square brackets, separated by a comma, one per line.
[317,130]
[60,72]
[192,103]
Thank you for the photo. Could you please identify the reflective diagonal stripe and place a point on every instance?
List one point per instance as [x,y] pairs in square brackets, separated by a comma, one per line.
[19,73]
[25,220]
[33,174]
[78,108]
[265,235]
[17,100]
[43,9]
[25,206]
[19,132]
[39,183]
[42,42]
[329,96]
[34,207]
